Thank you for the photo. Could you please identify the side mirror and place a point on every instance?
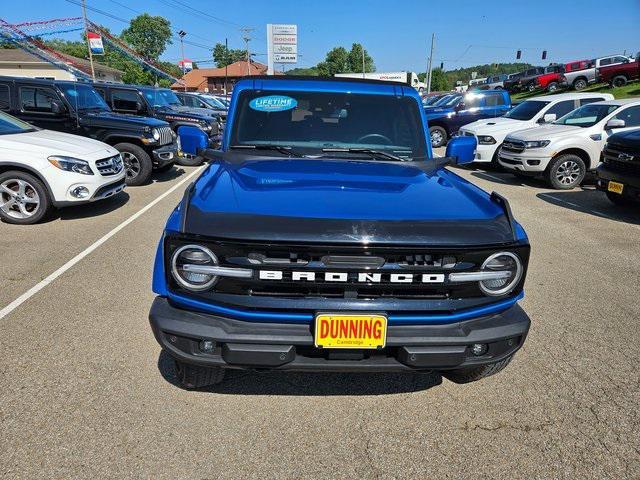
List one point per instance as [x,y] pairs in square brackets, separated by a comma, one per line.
[139,107]
[192,139]
[461,150]
[615,123]
[57,108]
[548,117]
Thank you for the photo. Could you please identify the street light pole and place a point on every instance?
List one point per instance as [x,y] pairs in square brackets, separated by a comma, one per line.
[362,61]
[181,34]
[433,41]
[86,34]
[226,63]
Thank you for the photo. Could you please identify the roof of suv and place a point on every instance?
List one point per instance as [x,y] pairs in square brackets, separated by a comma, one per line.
[619,102]
[567,96]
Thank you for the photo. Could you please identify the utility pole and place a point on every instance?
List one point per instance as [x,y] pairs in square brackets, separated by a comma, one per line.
[362,46]
[86,34]
[226,63]
[433,42]
[181,34]
[247,38]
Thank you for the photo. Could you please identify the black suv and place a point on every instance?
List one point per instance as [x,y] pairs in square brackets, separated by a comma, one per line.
[524,78]
[163,104]
[619,172]
[73,107]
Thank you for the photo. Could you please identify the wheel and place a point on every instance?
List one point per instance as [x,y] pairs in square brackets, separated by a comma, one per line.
[188,160]
[552,87]
[195,376]
[619,81]
[566,172]
[438,136]
[24,199]
[531,87]
[137,163]
[498,88]
[619,200]
[580,84]
[473,374]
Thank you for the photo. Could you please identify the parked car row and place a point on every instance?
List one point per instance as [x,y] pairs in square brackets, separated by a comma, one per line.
[563,137]
[129,130]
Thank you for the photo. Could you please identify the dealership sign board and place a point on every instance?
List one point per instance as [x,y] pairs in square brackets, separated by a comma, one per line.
[282,45]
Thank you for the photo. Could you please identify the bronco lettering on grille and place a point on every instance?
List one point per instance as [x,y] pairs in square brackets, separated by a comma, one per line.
[343,277]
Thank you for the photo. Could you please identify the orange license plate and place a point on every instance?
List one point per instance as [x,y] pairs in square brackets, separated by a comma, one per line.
[615,187]
[335,330]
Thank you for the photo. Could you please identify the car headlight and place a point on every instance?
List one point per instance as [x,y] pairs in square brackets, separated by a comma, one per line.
[189,265]
[71,164]
[156,134]
[206,127]
[486,140]
[537,143]
[507,270]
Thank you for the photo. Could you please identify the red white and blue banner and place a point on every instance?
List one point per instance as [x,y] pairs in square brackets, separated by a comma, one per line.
[95,43]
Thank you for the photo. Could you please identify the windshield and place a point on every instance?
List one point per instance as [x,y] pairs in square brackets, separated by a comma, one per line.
[587,115]
[313,121]
[84,97]
[526,110]
[213,102]
[448,101]
[431,100]
[9,125]
[161,98]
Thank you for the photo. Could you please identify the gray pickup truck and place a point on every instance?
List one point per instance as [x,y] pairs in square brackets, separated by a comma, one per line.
[581,73]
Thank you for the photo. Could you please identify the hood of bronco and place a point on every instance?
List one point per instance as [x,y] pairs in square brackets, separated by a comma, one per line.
[338,200]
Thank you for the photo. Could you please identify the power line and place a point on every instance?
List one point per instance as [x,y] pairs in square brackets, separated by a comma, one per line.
[181,4]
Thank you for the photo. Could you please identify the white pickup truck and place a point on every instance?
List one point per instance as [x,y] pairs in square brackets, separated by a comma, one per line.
[563,151]
[410,78]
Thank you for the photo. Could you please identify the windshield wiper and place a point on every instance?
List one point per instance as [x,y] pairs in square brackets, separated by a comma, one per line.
[278,148]
[367,151]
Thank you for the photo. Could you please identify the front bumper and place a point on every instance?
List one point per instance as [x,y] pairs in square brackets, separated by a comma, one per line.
[164,155]
[485,153]
[532,161]
[97,187]
[631,182]
[241,344]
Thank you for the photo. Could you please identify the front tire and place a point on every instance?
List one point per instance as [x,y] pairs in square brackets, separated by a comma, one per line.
[438,136]
[24,199]
[566,172]
[619,81]
[137,163]
[473,374]
[552,87]
[194,376]
[189,161]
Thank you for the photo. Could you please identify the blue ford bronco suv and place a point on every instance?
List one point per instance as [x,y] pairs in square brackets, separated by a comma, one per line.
[325,236]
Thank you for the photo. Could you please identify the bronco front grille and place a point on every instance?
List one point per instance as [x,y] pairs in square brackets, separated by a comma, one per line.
[109,166]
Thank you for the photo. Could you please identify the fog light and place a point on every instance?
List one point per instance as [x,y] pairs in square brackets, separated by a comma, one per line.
[80,192]
[479,349]
[207,346]
[533,162]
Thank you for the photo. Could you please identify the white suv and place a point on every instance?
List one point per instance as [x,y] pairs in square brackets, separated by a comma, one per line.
[563,151]
[42,169]
[490,133]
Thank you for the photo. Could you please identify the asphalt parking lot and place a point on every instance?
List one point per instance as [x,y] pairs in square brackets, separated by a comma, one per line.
[85,391]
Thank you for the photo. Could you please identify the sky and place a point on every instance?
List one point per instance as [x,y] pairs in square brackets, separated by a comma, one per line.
[396,34]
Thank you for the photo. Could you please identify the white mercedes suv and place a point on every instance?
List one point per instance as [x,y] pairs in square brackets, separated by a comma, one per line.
[563,151]
[490,133]
[42,169]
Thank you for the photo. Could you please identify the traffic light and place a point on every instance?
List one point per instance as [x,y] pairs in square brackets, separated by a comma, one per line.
[441,65]
[544,55]
[518,54]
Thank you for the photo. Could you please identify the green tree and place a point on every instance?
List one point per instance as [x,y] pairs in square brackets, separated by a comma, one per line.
[337,61]
[224,58]
[148,35]
[355,59]
[439,81]
[311,71]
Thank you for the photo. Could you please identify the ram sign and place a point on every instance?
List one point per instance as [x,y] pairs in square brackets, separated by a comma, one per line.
[282,45]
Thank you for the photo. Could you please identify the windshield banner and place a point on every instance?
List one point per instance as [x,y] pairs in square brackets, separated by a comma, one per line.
[273,103]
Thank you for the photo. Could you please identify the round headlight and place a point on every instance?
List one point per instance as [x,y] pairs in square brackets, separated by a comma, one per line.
[156,134]
[188,258]
[501,262]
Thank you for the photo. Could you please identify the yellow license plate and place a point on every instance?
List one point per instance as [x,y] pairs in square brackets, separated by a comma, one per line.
[334,330]
[615,187]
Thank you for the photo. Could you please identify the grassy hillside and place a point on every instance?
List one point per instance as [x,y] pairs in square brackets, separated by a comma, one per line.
[629,90]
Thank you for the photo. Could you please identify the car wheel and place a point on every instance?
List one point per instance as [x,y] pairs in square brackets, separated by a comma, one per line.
[580,84]
[24,199]
[620,201]
[188,160]
[473,374]
[137,163]
[531,87]
[619,81]
[438,136]
[566,172]
[194,376]
[552,87]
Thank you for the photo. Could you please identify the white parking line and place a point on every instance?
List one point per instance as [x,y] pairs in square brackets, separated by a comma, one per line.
[39,286]
[580,208]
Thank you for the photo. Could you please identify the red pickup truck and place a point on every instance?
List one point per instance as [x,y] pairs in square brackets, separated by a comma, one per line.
[619,75]
[551,79]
